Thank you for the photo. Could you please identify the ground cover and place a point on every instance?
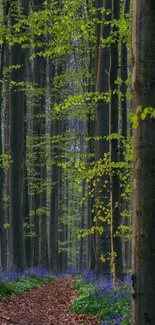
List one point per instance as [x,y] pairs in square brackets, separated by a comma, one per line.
[46,304]
[87,299]
[16,282]
[96,295]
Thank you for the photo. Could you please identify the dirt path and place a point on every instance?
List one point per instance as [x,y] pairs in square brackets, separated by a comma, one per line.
[46,305]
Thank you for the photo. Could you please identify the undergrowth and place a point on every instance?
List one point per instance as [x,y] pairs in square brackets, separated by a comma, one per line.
[15,282]
[96,295]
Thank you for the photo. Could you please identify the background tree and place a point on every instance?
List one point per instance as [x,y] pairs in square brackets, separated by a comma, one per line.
[101,132]
[63,79]
[16,146]
[116,244]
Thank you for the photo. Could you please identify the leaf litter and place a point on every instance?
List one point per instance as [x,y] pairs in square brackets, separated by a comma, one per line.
[45,305]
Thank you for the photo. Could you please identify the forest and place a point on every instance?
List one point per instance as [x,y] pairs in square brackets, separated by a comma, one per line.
[77,162]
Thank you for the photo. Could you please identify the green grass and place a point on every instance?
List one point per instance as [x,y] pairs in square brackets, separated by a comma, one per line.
[20,285]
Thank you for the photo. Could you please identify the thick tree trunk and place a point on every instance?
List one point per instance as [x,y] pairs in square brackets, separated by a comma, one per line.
[143,87]
[102,146]
[116,241]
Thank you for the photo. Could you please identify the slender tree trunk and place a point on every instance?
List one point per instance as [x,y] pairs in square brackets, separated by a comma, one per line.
[61,223]
[26,203]
[91,238]
[43,225]
[2,230]
[16,139]
[66,226]
[27,189]
[143,223]
[53,222]
[53,218]
[116,241]
[43,194]
[91,150]
[124,126]
[28,237]
[36,229]
[39,77]
[102,146]
[6,190]
[62,196]
[81,255]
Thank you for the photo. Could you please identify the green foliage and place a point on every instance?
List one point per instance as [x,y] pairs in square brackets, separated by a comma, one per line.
[143,113]
[21,285]
[102,300]
[6,225]
[5,160]
[65,36]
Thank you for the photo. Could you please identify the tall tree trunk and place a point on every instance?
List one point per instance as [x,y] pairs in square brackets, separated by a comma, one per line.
[43,194]
[143,223]
[62,225]
[124,125]
[53,218]
[66,203]
[2,230]
[39,124]
[102,145]
[28,237]
[26,203]
[53,222]
[81,255]
[116,241]
[36,203]
[91,150]
[43,224]
[62,234]
[6,190]
[16,139]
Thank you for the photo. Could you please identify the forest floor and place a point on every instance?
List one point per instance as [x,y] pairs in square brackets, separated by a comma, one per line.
[45,305]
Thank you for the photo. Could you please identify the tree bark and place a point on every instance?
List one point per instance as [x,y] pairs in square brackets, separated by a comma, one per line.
[39,124]
[43,194]
[116,241]
[53,219]
[6,190]
[2,230]
[143,220]
[16,139]
[102,145]
[53,222]
[81,253]
[124,132]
